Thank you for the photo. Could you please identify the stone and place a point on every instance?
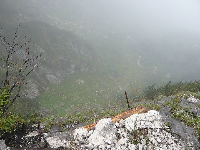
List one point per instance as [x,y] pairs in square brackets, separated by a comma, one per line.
[162,101]
[120,117]
[80,134]
[108,134]
[184,133]
[151,119]
[2,145]
[191,105]
[104,133]
[136,131]
[193,99]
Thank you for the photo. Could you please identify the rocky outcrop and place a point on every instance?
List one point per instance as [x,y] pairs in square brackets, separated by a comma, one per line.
[53,79]
[80,81]
[185,133]
[150,130]
[32,90]
[122,135]
[2,145]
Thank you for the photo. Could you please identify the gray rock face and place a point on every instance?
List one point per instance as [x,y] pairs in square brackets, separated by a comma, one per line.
[2,145]
[53,79]
[179,129]
[82,50]
[185,133]
[57,139]
[32,90]
[162,101]
[191,104]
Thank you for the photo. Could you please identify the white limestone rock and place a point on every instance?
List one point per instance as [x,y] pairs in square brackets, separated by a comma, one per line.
[80,134]
[193,99]
[104,133]
[56,142]
[109,135]
[151,119]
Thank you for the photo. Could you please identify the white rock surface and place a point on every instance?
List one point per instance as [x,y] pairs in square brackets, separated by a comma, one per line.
[193,99]
[56,141]
[34,133]
[104,133]
[108,135]
[80,134]
[152,119]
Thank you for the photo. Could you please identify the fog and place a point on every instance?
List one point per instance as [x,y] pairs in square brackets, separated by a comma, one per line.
[155,17]
[165,34]
[130,43]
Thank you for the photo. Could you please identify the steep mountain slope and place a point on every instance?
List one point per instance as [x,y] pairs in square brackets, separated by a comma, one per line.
[69,65]
[63,54]
[90,57]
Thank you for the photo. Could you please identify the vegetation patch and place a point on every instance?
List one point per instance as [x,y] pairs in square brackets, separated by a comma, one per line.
[139,136]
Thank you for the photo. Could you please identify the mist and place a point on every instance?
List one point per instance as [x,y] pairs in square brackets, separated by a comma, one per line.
[165,34]
[94,50]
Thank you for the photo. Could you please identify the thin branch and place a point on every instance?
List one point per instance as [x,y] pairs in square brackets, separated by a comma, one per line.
[16,73]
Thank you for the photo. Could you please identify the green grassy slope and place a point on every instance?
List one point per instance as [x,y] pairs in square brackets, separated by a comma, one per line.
[115,49]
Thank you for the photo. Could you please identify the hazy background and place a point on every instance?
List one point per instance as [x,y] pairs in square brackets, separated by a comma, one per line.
[164,33]
[111,46]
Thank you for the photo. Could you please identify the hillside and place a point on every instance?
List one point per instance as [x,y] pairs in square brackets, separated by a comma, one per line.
[66,59]
[91,53]
[107,56]
[163,122]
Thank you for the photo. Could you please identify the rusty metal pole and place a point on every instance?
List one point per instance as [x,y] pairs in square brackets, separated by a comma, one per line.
[127,100]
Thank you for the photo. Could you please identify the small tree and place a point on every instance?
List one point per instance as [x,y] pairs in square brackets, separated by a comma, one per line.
[16,63]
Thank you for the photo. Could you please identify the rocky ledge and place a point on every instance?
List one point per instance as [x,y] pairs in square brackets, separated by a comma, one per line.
[150,130]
